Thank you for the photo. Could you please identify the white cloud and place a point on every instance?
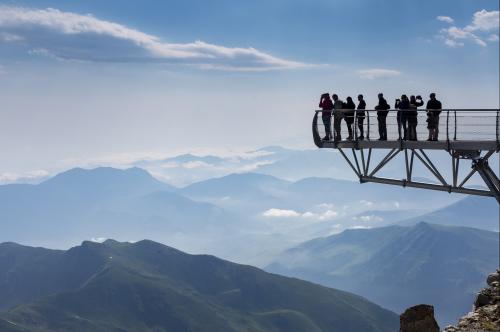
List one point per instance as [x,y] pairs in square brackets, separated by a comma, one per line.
[253,166]
[328,206]
[368,218]
[60,34]
[196,164]
[9,37]
[360,227]
[480,42]
[279,213]
[328,215]
[482,21]
[366,203]
[485,21]
[446,19]
[28,177]
[453,43]
[375,73]
[493,38]
[98,239]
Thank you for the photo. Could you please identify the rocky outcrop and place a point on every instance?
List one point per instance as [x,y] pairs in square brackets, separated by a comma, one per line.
[486,314]
[418,318]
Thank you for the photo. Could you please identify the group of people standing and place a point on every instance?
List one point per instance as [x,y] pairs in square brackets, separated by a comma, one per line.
[406,116]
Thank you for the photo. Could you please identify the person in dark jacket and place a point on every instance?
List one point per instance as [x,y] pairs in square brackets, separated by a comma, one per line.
[433,110]
[360,115]
[349,115]
[415,102]
[338,105]
[402,105]
[382,111]
[326,105]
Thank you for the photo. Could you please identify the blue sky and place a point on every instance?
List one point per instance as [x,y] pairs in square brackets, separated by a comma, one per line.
[141,77]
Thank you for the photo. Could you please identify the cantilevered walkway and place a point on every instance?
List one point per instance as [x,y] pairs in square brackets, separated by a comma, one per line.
[472,135]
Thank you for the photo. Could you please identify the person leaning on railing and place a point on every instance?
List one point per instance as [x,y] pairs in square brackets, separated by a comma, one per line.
[360,115]
[349,115]
[382,111]
[326,105]
[433,110]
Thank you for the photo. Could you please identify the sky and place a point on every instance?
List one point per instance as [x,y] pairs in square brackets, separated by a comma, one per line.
[87,80]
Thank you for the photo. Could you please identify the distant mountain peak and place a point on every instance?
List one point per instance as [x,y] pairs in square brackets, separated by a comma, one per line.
[423,225]
[79,171]
[81,178]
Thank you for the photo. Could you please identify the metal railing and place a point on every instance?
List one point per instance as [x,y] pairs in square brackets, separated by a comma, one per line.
[453,125]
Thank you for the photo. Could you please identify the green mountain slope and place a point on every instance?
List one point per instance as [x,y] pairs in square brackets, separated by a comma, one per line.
[150,287]
[398,267]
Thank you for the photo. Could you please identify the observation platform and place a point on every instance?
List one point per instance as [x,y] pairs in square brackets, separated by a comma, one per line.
[472,134]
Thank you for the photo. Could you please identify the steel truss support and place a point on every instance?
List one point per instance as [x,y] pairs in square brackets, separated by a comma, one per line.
[361,167]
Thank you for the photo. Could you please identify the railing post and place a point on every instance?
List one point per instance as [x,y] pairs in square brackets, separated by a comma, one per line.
[368,125]
[455,133]
[448,129]
[497,129]
[398,120]
[355,123]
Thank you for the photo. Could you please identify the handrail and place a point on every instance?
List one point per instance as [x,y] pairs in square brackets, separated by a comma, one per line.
[473,125]
[420,110]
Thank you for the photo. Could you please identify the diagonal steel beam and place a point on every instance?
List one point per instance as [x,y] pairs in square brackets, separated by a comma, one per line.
[412,158]
[407,165]
[363,161]
[430,169]
[349,162]
[455,164]
[467,178]
[384,161]
[368,160]
[356,160]
[432,165]
[489,177]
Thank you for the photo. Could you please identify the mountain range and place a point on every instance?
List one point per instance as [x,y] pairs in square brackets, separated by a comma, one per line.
[146,286]
[104,202]
[246,217]
[285,163]
[398,267]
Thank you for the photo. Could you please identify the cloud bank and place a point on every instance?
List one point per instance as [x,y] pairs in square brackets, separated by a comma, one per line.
[283,213]
[72,36]
[479,31]
[28,177]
